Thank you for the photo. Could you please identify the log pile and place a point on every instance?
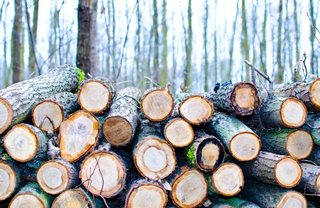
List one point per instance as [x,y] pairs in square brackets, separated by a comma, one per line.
[69,141]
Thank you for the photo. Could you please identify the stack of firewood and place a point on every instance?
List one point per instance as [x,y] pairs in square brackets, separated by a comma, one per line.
[70,141]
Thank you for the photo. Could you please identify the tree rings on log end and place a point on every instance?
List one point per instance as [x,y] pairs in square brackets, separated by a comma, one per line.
[292,199]
[288,172]
[94,96]
[8,181]
[245,146]
[293,113]
[178,132]
[227,179]
[117,131]
[103,174]
[6,113]
[314,92]
[47,116]
[26,200]
[299,144]
[196,109]
[244,98]
[75,198]
[147,196]
[157,105]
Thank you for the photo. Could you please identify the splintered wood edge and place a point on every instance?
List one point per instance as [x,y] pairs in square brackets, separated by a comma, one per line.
[148,106]
[36,201]
[83,102]
[6,113]
[234,175]
[280,170]
[75,197]
[45,123]
[289,119]
[64,177]
[7,176]
[290,198]
[248,101]
[295,140]
[183,133]
[202,106]
[117,131]
[245,146]
[314,92]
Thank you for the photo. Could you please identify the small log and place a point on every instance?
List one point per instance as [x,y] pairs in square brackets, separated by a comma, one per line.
[242,143]
[315,155]
[48,114]
[270,168]
[297,143]
[31,195]
[157,104]
[237,202]
[313,126]
[78,134]
[178,132]
[122,122]
[56,176]
[266,195]
[205,152]
[25,142]
[241,98]
[18,100]
[96,94]
[226,180]
[310,180]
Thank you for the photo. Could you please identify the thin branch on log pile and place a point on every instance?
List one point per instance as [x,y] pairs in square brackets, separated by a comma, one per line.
[304,67]
[150,80]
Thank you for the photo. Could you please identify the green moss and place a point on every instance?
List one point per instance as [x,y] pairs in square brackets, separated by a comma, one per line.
[80,76]
[190,156]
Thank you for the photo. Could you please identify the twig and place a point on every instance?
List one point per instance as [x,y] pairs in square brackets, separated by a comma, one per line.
[104,201]
[315,29]
[258,71]
[304,67]
[154,83]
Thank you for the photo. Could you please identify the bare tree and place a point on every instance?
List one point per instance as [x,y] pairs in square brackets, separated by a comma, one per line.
[156,43]
[297,34]
[164,71]
[205,42]
[244,40]
[279,77]
[94,44]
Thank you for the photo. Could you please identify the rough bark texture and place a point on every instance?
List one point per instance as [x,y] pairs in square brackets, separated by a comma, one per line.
[313,126]
[315,155]
[178,132]
[237,202]
[310,180]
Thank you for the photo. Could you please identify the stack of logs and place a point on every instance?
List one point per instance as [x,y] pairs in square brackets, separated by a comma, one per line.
[68,142]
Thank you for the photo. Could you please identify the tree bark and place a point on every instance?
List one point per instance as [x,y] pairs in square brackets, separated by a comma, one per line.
[315,155]
[156,43]
[310,180]
[312,125]
[178,132]
[237,202]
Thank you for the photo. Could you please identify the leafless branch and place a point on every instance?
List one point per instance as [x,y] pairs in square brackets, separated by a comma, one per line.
[315,29]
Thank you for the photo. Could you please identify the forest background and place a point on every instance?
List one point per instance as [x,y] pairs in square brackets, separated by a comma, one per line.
[190,43]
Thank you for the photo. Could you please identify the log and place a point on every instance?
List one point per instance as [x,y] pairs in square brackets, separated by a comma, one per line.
[56,176]
[266,195]
[30,196]
[270,168]
[237,202]
[315,155]
[48,114]
[310,181]
[122,121]
[312,125]
[215,203]
[226,180]
[78,134]
[157,104]
[297,143]
[241,98]
[205,152]
[25,143]
[178,132]
[242,143]
[96,94]
[18,100]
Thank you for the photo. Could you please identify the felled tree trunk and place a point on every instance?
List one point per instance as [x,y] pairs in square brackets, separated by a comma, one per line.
[205,152]
[297,143]
[242,143]
[313,126]
[96,94]
[78,134]
[241,98]
[122,122]
[25,143]
[310,180]
[178,132]
[273,169]
[237,202]
[48,114]
[18,100]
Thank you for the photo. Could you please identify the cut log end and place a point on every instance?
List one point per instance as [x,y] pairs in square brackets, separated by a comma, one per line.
[314,92]
[94,96]
[117,131]
[292,199]
[244,98]
[7,181]
[157,104]
[189,189]
[47,116]
[245,146]
[288,172]
[103,174]
[26,200]
[196,110]
[154,158]
[75,198]
[299,144]
[6,115]
[179,133]
[293,113]
[147,196]
[228,179]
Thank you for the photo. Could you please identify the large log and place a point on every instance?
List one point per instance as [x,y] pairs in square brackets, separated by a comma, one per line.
[315,155]
[241,98]
[242,143]
[310,180]
[297,143]
[122,121]
[237,202]
[18,100]
[313,126]
[178,132]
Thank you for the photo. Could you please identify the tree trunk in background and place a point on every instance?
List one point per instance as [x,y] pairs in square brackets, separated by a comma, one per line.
[114,45]
[205,36]
[263,44]
[138,43]
[174,61]
[33,38]
[5,71]
[187,71]
[53,38]
[215,73]
[244,39]
[297,31]
[94,41]
[313,57]
[155,32]
[279,77]
[22,31]
[232,43]
[164,71]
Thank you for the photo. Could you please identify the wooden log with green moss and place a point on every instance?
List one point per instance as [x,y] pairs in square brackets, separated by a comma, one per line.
[237,202]
[242,143]
[310,181]
[312,125]
[178,132]
[18,100]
